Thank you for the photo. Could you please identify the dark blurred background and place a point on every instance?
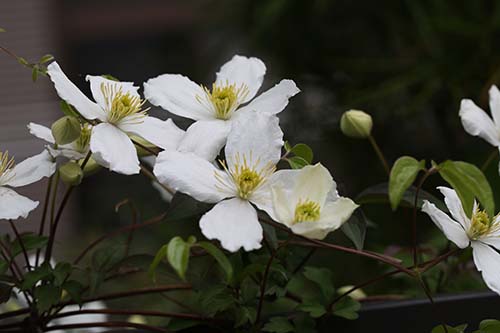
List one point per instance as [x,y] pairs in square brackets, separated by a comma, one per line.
[407,63]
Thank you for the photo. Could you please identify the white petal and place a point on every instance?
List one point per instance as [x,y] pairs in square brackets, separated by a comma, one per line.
[96,86]
[32,170]
[41,132]
[71,94]
[455,206]
[234,223]
[243,71]
[487,261]
[495,105]
[178,95]
[162,133]
[273,100]
[257,137]
[313,183]
[84,318]
[13,205]
[205,138]
[113,149]
[493,240]
[333,215]
[452,230]
[191,174]
[476,122]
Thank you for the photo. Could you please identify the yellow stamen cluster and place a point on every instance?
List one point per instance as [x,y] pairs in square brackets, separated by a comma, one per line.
[82,143]
[6,163]
[482,225]
[224,100]
[121,105]
[245,175]
[307,211]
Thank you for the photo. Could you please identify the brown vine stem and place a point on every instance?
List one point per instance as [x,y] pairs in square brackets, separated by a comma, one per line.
[14,313]
[21,244]
[114,324]
[44,215]
[146,172]
[134,312]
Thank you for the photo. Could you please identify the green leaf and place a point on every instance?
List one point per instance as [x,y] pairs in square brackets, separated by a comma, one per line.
[31,241]
[489,326]
[43,272]
[75,290]
[23,61]
[347,308]
[215,299]
[470,183]
[46,296]
[315,310]
[297,162]
[162,253]
[220,257]
[178,255]
[5,292]
[68,109]
[304,151]
[178,324]
[61,272]
[4,266]
[105,258]
[244,315]
[355,229]
[46,58]
[403,174]
[34,73]
[278,325]
[323,277]
[183,206]
[449,329]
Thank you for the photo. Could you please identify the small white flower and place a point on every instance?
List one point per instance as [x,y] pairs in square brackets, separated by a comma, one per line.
[307,201]
[31,170]
[252,151]
[119,109]
[236,85]
[480,231]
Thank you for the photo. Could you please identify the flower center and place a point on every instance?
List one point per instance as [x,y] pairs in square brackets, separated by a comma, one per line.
[121,105]
[482,225]
[307,211]
[6,165]
[82,143]
[223,99]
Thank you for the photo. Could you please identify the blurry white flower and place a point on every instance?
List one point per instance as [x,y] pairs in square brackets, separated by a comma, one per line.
[252,151]
[480,231]
[236,85]
[119,109]
[307,202]
[31,170]
[83,318]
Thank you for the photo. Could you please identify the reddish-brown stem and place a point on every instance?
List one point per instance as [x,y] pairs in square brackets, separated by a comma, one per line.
[133,312]
[21,244]
[114,324]
[44,215]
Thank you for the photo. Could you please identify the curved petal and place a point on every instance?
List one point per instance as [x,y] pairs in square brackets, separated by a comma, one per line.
[452,230]
[255,137]
[178,95]
[13,205]
[32,170]
[313,182]
[333,215]
[83,318]
[191,174]
[234,223]
[113,149]
[455,206]
[495,105]
[71,94]
[240,71]
[205,138]
[487,262]
[96,86]
[476,122]
[41,132]
[162,133]
[274,100]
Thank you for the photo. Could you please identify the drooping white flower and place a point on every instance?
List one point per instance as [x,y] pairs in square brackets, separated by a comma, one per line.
[252,151]
[307,202]
[232,94]
[31,170]
[480,231]
[119,110]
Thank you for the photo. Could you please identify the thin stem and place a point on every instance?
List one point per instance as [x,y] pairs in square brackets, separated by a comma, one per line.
[490,159]
[21,244]
[44,215]
[429,296]
[133,312]
[15,313]
[145,171]
[8,257]
[9,52]
[134,214]
[54,198]
[114,324]
[380,155]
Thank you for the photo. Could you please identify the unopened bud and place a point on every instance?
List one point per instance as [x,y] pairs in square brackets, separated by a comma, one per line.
[71,173]
[66,130]
[91,167]
[356,124]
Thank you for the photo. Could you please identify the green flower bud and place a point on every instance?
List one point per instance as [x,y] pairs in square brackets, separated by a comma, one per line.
[71,173]
[66,130]
[356,124]
[91,167]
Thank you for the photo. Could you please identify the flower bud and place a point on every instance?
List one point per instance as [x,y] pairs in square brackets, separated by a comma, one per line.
[356,124]
[91,167]
[66,130]
[71,173]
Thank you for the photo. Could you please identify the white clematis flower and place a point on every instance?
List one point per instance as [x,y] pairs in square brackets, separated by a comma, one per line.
[307,202]
[480,231]
[31,170]
[119,111]
[252,151]
[232,94]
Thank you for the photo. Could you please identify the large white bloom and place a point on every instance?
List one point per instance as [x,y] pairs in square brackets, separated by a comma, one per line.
[232,94]
[119,111]
[31,170]
[480,231]
[252,151]
[307,201]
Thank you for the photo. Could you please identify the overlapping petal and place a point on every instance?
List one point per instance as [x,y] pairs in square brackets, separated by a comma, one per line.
[487,261]
[205,138]
[455,206]
[98,84]
[13,205]
[274,100]
[32,170]
[162,133]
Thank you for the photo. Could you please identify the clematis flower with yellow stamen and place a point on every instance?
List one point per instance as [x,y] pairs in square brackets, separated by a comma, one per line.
[307,202]
[244,179]
[31,170]
[119,111]
[480,231]
[231,95]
